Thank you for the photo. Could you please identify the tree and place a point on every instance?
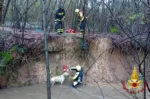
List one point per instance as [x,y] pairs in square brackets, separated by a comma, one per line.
[1,8]
[46,51]
[5,10]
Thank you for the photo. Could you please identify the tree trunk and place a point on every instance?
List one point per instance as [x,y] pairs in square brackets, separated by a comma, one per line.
[5,10]
[144,74]
[25,20]
[15,14]
[84,12]
[1,8]
[148,2]
[84,7]
[46,51]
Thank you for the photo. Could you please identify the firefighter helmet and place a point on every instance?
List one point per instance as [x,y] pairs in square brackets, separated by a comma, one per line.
[77,10]
[78,67]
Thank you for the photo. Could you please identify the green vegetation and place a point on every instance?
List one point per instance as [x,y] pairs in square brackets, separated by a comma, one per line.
[20,49]
[5,58]
[114,30]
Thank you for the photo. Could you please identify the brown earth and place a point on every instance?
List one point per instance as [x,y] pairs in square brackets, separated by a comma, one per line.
[111,66]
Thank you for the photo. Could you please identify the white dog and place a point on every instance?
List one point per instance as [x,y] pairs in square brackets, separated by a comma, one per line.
[60,78]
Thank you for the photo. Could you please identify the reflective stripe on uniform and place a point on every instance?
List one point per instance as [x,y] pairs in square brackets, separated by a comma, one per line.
[58,30]
[79,79]
[61,30]
[73,68]
[60,13]
[81,30]
[76,75]
[75,83]
[57,20]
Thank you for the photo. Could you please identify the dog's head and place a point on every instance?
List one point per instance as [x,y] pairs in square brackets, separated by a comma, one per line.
[66,74]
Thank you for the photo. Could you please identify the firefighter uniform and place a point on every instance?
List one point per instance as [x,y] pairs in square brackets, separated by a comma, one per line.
[59,17]
[81,18]
[78,76]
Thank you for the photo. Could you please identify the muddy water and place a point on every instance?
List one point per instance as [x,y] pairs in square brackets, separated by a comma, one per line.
[64,92]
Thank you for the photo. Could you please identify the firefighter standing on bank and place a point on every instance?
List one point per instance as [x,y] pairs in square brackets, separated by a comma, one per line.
[82,20]
[59,18]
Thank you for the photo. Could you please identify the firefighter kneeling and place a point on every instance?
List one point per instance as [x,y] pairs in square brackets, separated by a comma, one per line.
[78,76]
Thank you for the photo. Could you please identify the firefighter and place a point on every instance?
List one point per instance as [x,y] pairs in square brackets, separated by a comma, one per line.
[81,18]
[59,18]
[78,76]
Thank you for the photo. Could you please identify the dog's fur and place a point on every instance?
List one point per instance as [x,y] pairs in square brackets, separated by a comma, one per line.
[59,79]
